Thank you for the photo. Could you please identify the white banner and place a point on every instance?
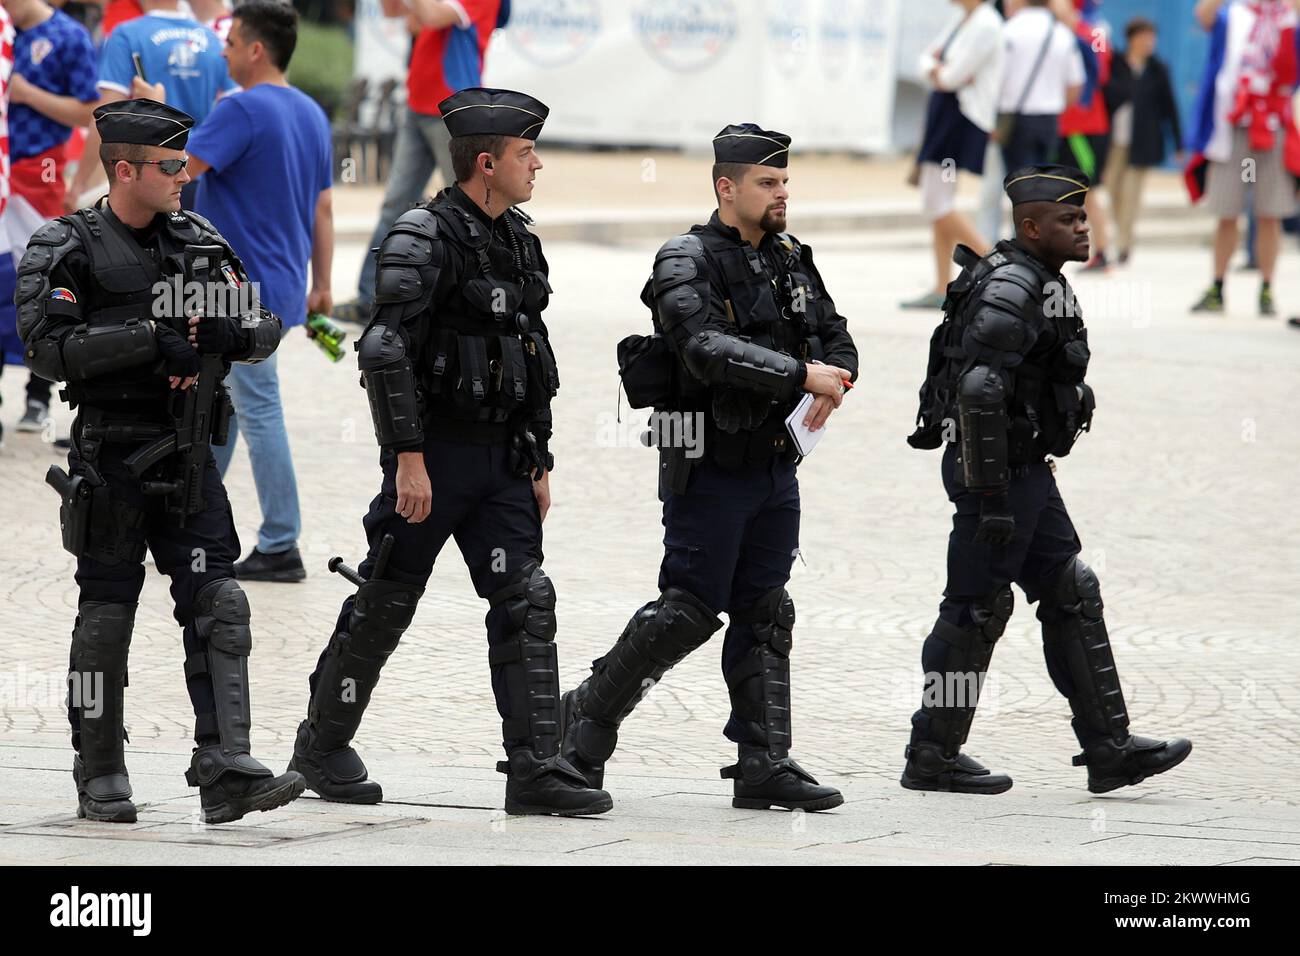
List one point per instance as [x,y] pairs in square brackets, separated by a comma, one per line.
[674,72]
[382,44]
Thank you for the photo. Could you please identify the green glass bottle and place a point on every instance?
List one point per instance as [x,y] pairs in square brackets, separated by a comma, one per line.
[327,334]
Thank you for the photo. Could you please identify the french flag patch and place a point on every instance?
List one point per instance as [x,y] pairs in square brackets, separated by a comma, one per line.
[64,294]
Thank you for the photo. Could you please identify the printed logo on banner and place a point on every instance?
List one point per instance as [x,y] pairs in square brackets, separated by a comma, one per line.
[685,35]
[789,34]
[553,32]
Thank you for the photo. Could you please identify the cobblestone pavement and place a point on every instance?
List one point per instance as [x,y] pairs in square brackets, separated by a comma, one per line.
[1183,498]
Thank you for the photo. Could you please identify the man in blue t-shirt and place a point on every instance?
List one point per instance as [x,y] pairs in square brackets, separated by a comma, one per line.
[183,67]
[265,160]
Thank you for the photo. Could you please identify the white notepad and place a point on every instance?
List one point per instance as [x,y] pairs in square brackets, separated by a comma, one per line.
[804,439]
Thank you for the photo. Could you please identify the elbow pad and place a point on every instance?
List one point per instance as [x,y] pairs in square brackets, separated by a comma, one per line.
[262,332]
[985,429]
[390,386]
[91,352]
[720,359]
[45,358]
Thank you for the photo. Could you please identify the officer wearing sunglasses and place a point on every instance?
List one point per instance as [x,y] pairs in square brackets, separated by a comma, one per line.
[140,474]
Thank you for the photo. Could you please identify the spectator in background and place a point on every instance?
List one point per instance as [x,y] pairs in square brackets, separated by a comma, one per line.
[447,57]
[117,12]
[51,90]
[964,66]
[1044,74]
[264,161]
[215,15]
[1144,118]
[1085,125]
[6,67]
[1242,113]
[182,64]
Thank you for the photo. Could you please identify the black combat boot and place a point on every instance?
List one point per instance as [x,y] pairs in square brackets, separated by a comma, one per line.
[955,661]
[231,781]
[538,779]
[106,798]
[928,768]
[345,678]
[765,775]
[232,785]
[1082,665]
[96,699]
[656,639]
[1111,765]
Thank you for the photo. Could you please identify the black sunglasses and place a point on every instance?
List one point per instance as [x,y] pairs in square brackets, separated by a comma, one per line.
[169,166]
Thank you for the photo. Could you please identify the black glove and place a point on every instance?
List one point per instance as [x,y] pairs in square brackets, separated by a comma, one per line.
[219,334]
[179,357]
[737,410]
[997,523]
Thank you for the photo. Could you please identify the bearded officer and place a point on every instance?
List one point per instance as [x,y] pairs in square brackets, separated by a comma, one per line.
[459,371]
[749,327]
[1006,390]
[86,297]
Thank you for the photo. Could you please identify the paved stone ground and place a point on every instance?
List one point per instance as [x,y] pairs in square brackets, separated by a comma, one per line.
[1183,497]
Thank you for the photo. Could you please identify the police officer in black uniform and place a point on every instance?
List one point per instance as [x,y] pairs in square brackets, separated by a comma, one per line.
[744,326]
[87,304]
[1005,389]
[459,371]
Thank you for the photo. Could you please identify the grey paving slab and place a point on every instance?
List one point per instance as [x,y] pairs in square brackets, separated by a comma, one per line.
[1183,499]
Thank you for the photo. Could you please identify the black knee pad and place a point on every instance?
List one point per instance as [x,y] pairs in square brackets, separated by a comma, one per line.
[655,640]
[381,613]
[1077,590]
[222,616]
[990,614]
[772,617]
[529,602]
[683,623]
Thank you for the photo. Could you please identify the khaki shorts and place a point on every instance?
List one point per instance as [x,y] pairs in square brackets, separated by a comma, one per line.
[1274,189]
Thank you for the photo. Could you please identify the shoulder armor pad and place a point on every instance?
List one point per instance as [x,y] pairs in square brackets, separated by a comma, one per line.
[50,243]
[419,219]
[1012,288]
[54,233]
[687,244]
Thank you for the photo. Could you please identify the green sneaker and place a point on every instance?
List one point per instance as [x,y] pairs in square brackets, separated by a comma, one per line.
[1266,307]
[1212,301]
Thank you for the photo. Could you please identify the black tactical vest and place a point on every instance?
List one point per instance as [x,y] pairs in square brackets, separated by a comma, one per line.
[769,298]
[125,275]
[487,357]
[1047,412]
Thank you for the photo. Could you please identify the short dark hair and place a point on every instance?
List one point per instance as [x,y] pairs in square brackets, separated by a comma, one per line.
[273,24]
[1138,25]
[465,151]
[733,171]
[110,154]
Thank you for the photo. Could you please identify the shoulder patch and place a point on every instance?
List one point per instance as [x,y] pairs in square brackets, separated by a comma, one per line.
[63,294]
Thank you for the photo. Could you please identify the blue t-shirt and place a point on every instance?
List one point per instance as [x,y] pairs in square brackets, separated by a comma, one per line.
[58,57]
[271,156]
[181,54]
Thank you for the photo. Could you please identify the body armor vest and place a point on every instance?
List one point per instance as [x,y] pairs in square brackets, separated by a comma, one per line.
[1047,411]
[487,355]
[125,276]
